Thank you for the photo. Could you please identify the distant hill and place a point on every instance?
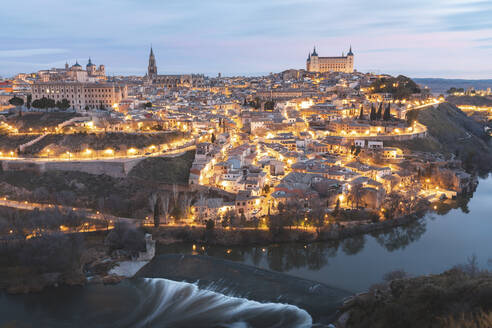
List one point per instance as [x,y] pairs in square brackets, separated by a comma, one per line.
[470,100]
[439,86]
[452,132]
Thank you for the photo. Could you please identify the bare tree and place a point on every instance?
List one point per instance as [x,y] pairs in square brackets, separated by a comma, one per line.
[154,204]
[317,215]
[185,204]
[165,200]
[355,195]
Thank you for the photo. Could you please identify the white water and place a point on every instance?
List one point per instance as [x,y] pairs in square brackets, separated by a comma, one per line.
[168,303]
[145,303]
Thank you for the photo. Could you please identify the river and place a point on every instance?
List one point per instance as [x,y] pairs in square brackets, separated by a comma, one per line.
[431,245]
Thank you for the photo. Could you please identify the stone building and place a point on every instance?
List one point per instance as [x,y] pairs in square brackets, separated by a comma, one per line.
[81,95]
[92,73]
[317,64]
[170,80]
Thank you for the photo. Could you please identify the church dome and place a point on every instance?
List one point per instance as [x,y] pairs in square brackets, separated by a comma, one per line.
[350,53]
[90,64]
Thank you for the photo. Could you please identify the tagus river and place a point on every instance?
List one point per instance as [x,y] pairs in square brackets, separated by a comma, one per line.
[431,245]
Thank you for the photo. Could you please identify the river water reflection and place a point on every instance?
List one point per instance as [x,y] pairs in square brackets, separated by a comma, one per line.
[430,245]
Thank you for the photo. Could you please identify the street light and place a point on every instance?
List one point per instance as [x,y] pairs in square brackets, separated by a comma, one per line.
[109,152]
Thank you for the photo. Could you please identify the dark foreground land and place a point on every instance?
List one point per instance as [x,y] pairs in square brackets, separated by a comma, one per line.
[458,298]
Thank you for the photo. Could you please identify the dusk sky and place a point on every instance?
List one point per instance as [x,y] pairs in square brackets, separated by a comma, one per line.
[418,38]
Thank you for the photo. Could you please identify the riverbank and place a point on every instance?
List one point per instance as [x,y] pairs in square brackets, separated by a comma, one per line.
[29,265]
[457,298]
[240,236]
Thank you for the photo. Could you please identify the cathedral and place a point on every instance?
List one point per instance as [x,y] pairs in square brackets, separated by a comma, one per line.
[170,81]
[76,72]
[317,64]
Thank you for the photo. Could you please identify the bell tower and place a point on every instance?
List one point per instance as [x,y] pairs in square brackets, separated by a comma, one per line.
[152,68]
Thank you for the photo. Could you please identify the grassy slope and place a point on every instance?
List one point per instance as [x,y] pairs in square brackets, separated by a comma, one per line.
[12,142]
[427,301]
[78,142]
[39,120]
[452,131]
[165,170]
[469,100]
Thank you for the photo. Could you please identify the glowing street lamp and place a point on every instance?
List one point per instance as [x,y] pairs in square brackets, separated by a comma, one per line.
[109,152]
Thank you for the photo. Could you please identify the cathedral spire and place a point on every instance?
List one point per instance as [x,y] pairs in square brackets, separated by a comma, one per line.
[350,53]
[152,68]
[314,52]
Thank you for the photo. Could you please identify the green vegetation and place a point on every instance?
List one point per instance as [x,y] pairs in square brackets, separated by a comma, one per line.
[478,101]
[401,87]
[77,142]
[453,90]
[412,116]
[126,197]
[122,197]
[11,142]
[64,104]
[167,170]
[36,251]
[38,121]
[452,132]
[16,101]
[44,103]
[460,297]
[29,101]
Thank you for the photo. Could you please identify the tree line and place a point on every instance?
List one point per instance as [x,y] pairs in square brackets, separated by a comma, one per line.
[377,115]
[42,103]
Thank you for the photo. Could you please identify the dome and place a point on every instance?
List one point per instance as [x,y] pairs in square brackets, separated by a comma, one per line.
[350,53]
[89,64]
[315,54]
[76,65]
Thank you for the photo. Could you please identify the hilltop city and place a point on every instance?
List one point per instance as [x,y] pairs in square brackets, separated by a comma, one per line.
[326,151]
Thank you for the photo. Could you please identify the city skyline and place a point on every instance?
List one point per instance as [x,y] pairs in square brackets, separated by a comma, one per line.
[449,39]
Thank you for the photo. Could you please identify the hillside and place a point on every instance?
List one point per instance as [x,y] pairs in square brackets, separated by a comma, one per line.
[470,100]
[452,132]
[60,143]
[439,86]
[168,170]
[453,299]
[401,87]
[38,121]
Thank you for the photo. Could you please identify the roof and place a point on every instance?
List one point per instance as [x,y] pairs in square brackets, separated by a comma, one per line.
[350,53]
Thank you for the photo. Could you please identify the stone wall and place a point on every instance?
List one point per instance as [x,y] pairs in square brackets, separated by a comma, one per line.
[114,168]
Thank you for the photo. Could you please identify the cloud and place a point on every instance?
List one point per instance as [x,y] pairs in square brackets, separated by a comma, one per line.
[30,52]
[254,35]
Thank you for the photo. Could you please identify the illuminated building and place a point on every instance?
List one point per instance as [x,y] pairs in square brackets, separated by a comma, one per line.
[317,64]
[81,95]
